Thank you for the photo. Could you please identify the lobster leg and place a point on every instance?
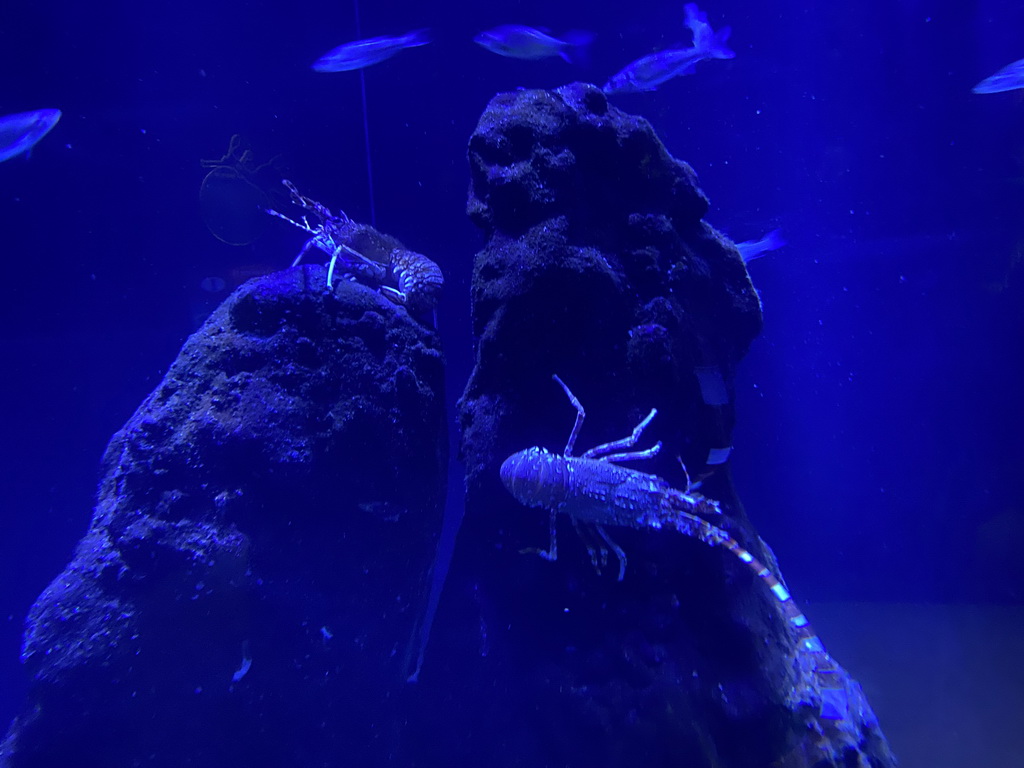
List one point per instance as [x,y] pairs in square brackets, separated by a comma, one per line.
[596,549]
[647,453]
[550,554]
[394,295]
[580,416]
[552,551]
[614,548]
[334,260]
[626,442]
[305,249]
[598,543]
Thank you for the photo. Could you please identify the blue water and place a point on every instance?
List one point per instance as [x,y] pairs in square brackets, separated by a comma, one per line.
[879,414]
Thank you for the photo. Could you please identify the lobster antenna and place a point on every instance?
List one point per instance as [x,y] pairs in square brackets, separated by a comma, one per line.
[366,126]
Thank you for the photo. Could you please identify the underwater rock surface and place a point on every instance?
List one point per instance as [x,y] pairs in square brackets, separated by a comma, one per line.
[251,584]
[599,267]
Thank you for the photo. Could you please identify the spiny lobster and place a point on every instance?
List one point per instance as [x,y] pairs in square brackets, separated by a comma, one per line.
[590,489]
[367,254]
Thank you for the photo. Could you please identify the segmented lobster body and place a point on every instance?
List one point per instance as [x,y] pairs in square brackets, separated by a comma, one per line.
[595,492]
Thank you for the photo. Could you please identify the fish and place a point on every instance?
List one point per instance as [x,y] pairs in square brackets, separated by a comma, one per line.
[22,131]
[520,42]
[243,670]
[213,284]
[755,249]
[647,73]
[1009,78]
[363,53]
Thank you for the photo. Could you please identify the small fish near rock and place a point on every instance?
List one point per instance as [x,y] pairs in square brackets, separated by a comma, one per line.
[22,131]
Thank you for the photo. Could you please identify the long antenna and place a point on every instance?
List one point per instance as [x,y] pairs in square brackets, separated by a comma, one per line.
[366,126]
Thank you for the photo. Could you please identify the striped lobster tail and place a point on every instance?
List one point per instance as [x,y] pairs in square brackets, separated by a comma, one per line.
[834,700]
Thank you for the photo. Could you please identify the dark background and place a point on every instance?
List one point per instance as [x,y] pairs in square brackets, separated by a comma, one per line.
[878,447]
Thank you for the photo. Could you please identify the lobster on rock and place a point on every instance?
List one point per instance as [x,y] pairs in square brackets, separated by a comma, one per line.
[592,490]
[404,277]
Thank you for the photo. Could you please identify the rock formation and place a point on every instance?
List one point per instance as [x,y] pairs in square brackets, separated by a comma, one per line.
[252,581]
[600,268]
[252,587]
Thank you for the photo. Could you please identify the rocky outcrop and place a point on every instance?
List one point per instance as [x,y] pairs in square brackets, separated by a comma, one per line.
[600,268]
[251,585]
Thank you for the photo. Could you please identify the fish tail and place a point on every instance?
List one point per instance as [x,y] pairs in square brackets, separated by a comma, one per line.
[577,46]
[417,37]
[755,249]
[717,49]
[773,240]
[705,39]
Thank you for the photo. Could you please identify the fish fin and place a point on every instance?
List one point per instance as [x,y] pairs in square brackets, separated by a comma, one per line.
[418,37]
[718,49]
[705,39]
[577,49]
[774,240]
[755,249]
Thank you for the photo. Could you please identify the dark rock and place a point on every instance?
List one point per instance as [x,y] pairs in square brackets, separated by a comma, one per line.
[599,268]
[275,499]
[536,155]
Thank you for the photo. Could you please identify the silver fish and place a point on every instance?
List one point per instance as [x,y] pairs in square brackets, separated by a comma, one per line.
[20,132]
[363,53]
[1009,78]
[648,72]
[520,42]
